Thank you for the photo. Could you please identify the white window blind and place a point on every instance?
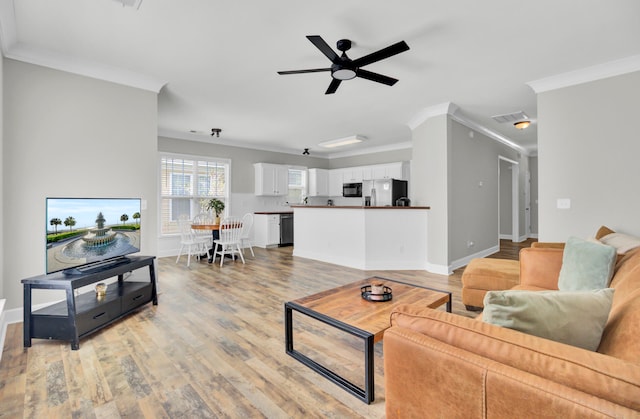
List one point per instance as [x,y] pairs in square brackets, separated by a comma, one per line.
[186,184]
[297,185]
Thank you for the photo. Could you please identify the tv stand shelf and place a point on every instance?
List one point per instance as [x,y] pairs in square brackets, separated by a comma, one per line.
[84,314]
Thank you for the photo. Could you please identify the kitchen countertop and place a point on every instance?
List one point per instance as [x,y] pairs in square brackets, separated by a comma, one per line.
[356,207]
[273,212]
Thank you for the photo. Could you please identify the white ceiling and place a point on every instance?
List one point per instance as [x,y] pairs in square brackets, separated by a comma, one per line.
[216,61]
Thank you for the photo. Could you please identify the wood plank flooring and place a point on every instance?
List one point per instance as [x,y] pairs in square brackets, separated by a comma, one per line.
[213,347]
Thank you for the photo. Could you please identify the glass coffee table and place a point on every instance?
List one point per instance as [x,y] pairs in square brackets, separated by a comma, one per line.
[344,309]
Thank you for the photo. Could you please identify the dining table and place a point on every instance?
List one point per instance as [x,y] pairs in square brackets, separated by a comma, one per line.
[215,231]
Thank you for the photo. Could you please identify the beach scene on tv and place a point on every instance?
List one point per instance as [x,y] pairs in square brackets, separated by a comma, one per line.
[86,230]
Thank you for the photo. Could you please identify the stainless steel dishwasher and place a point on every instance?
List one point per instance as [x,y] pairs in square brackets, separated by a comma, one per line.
[286,229]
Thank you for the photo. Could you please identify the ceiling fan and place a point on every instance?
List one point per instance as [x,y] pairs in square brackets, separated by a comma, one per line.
[344,68]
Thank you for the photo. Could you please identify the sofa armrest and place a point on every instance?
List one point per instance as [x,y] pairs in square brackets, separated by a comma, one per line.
[540,267]
[550,245]
[590,373]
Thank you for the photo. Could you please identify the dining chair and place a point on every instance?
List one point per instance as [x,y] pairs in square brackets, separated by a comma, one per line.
[203,237]
[229,242]
[187,240]
[245,237]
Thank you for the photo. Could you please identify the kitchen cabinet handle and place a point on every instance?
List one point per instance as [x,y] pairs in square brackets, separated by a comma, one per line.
[137,297]
[99,315]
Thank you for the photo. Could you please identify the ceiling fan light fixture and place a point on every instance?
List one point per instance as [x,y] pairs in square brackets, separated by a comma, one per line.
[342,141]
[522,124]
[343,74]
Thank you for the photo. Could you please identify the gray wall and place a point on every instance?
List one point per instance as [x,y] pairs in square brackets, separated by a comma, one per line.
[430,185]
[454,170]
[242,172]
[588,148]
[68,135]
[475,189]
[2,200]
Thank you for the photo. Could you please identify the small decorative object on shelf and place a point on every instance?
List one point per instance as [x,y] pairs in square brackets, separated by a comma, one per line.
[101,290]
[376,292]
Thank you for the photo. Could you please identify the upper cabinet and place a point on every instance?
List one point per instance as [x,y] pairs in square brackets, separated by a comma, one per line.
[318,182]
[324,182]
[389,171]
[271,179]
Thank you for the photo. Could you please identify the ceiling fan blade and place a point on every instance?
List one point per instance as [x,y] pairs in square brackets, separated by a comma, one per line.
[387,52]
[333,86]
[311,70]
[364,74]
[324,48]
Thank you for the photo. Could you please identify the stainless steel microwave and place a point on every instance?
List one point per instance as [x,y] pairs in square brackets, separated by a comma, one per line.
[352,190]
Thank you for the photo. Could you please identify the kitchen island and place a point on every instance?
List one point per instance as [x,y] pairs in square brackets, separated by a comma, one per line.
[368,238]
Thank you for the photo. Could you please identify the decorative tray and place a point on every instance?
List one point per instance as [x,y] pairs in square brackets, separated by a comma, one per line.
[368,295]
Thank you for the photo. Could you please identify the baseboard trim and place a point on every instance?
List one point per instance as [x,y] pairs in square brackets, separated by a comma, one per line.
[459,263]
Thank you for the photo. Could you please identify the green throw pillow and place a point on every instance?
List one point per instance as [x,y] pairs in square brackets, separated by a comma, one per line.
[586,265]
[573,317]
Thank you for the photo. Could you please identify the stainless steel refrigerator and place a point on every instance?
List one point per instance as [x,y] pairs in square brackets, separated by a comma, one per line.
[383,192]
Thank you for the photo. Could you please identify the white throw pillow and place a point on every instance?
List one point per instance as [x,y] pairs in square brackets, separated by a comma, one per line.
[573,317]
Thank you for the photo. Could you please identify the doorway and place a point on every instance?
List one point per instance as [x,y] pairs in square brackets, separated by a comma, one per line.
[508,203]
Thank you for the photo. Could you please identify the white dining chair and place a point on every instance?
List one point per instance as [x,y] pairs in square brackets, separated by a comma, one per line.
[203,237]
[187,240]
[245,237]
[229,242]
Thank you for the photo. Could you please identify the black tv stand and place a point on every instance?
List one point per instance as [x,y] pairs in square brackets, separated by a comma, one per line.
[96,267]
[81,315]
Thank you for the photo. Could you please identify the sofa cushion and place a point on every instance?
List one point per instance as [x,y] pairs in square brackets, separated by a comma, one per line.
[622,242]
[576,318]
[586,265]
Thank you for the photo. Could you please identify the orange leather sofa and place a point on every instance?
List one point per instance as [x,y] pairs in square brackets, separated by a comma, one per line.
[441,365]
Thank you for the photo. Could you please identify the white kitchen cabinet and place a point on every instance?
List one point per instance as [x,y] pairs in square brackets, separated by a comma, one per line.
[318,182]
[389,171]
[335,182]
[266,228]
[352,174]
[271,179]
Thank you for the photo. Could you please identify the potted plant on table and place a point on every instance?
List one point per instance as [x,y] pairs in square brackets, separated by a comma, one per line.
[217,206]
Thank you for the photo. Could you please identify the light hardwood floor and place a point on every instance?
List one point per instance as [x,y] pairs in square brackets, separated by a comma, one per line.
[213,347]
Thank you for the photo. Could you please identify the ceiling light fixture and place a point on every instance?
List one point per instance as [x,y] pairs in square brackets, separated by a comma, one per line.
[305,152]
[216,132]
[342,141]
[130,3]
[522,124]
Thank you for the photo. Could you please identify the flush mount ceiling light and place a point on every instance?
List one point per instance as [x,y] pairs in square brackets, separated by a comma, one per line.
[342,141]
[216,132]
[130,3]
[522,124]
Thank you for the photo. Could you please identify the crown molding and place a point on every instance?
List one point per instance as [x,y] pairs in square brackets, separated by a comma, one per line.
[83,67]
[370,150]
[458,117]
[588,74]
[427,113]
[451,109]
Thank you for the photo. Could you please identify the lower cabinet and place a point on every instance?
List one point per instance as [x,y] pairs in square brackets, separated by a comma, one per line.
[266,229]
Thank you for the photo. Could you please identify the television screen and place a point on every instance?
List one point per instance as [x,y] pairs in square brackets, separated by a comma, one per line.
[83,231]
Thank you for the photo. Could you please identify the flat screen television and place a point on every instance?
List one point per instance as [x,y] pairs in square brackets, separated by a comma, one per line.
[85,234]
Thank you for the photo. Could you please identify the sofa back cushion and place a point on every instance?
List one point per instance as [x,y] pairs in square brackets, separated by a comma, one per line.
[622,330]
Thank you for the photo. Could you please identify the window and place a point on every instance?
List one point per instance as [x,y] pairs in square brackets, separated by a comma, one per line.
[297,185]
[186,184]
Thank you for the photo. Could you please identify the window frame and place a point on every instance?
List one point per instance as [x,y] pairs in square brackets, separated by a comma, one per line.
[193,196]
[304,187]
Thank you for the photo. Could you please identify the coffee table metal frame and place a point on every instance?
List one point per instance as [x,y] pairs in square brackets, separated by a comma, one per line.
[365,394]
